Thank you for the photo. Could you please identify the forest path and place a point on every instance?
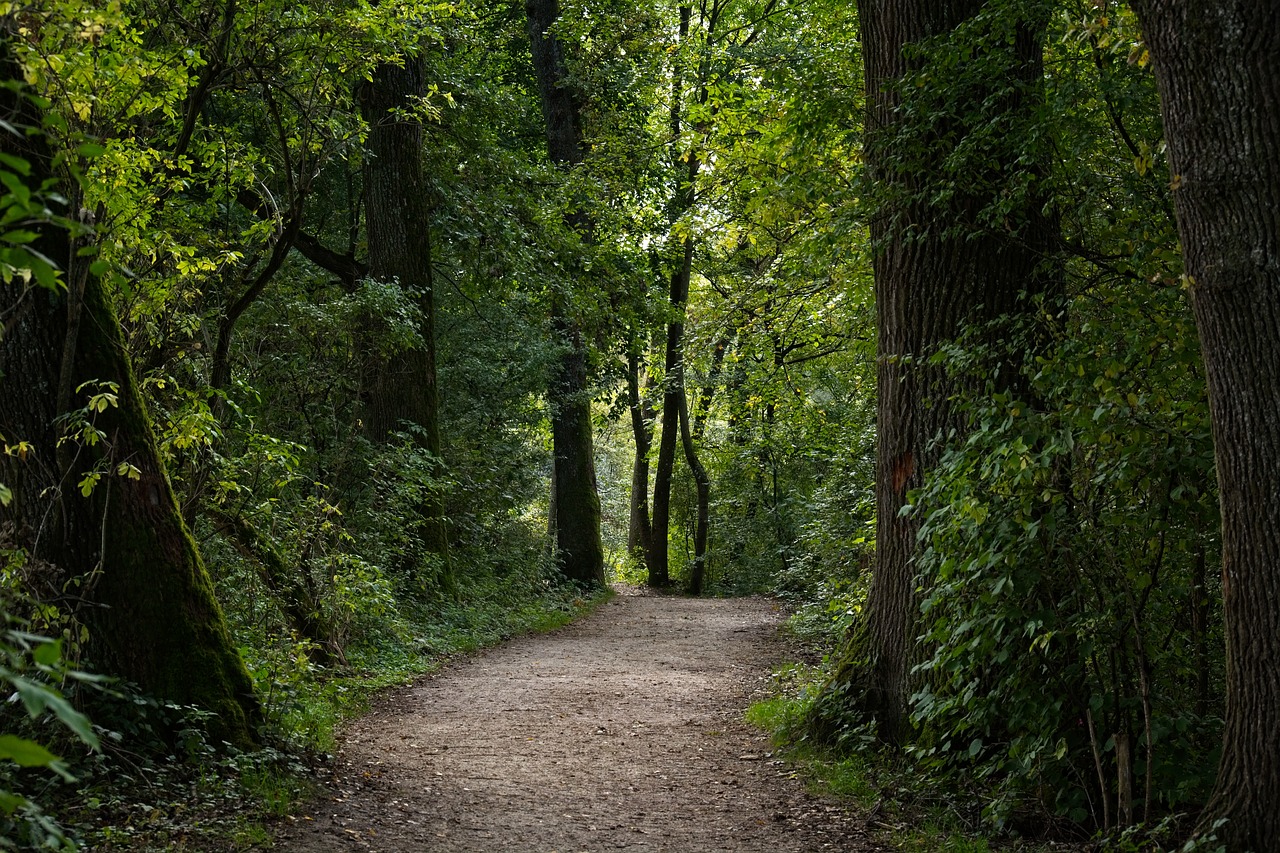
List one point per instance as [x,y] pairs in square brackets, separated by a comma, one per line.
[622,731]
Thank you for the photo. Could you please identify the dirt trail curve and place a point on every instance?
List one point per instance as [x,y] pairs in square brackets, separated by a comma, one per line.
[622,731]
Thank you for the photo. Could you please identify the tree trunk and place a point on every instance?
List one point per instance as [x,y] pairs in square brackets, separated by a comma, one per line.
[928,285]
[640,526]
[673,402]
[575,504]
[673,392]
[698,573]
[702,406]
[402,390]
[149,603]
[1217,66]
[296,596]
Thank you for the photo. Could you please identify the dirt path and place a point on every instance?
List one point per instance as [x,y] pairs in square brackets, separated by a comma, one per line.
[620,732]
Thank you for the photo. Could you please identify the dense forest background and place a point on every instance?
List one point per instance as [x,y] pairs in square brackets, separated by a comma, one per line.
[339,336]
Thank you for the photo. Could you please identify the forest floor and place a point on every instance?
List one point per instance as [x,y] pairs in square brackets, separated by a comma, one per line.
[622,731]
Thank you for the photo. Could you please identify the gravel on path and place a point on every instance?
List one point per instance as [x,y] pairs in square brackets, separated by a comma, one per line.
[623,731]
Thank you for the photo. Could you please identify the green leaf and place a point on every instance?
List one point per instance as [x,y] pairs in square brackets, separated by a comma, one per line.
[19,165]
[10,803]
[49,653]
[90,480]
[19,237]
[25,753]
[39,697]
[21,192]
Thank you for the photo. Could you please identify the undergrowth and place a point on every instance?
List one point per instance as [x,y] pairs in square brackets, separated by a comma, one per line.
[904,808]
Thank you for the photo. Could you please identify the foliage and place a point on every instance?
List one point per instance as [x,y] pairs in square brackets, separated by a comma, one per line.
[1051,596]
[33,668]
[906,809]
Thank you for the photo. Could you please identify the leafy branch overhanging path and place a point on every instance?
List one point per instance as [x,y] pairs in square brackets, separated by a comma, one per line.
[622,731]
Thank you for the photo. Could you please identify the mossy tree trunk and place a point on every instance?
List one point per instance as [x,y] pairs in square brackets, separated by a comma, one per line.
[145,594]
[298,598]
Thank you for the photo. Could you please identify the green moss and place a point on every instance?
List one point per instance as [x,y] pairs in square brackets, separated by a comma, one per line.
[157,624]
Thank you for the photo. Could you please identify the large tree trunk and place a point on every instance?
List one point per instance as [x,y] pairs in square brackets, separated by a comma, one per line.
[579,548]
[928,285]
[1217,65]
[575,504]
[147,599]
[402,389]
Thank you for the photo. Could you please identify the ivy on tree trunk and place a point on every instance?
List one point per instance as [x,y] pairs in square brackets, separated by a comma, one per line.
[402,389]
[937,268]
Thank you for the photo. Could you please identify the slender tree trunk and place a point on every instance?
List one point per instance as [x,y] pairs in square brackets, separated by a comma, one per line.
[664,467]
[698,573]
[149,603]
[702,406]
[928,285]
[640,526]
[296,597]
[575,504]
[1217,66]
[674,400]
[402,390]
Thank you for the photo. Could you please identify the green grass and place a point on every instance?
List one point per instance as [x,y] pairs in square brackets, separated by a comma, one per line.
[277,792]
[936,836]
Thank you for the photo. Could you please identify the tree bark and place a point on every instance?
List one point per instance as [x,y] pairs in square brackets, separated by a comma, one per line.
[575,504]
[149,603]
[402,390]
[1217,67]
[579,548]
[640,525]
[928,286]
[702,481]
